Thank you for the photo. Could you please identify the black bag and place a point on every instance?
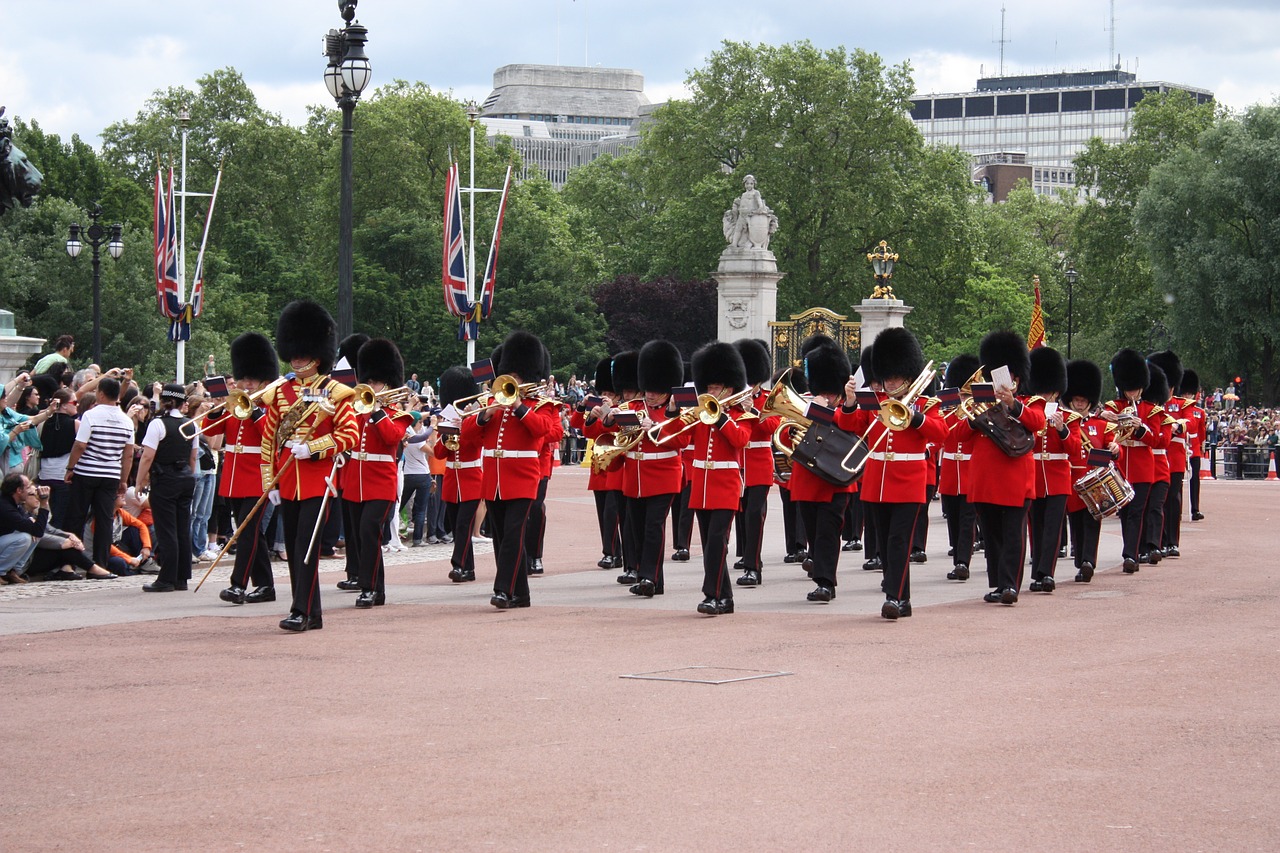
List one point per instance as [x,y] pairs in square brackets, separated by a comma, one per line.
[1008,433]
[831,453]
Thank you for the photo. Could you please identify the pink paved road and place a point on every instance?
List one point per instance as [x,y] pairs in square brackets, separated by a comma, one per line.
[1135,713]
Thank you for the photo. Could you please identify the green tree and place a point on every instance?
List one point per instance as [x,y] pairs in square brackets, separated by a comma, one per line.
[1207,220]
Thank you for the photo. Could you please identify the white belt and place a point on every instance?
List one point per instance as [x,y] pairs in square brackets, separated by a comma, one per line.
[893,456]
[1129,443]
[1178,439]
[702,463]
[373,457]
[256,451]
[957,457]
[1052,457]
[1160,452]
[458,466]
[644,457]
[752,445]
[511,454]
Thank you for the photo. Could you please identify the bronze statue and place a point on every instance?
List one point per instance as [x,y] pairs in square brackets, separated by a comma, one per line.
[19,180]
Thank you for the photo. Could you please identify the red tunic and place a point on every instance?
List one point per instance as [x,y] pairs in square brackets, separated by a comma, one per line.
[1137,463]
[1178,435]
[954,479]
[759,451]
[653,469]
[371,474]
[241,455]
[1197,427]
[717,463]
[1093,433]
[998,478]
[897,469]
[1052,455]
[462,475]
[326,435]
[513,441]
[553,438]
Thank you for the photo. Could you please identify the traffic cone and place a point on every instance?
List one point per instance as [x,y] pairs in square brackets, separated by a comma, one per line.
[1206,469]
[1271,469]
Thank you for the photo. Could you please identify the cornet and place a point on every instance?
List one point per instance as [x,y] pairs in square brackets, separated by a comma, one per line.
[507,392]
[707,411]
[366,399]
[239,405]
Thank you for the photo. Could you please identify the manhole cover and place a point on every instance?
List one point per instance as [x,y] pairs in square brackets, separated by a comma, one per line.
[1102,593]
[706,674]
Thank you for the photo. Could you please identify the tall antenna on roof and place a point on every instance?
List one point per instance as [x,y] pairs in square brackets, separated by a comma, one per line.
[1111,57]
[1002,41]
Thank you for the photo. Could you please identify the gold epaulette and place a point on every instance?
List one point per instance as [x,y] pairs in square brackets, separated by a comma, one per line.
[1111,404]
[1035,397]
[268,397]
[929,403]
[339,391]
[1072,417]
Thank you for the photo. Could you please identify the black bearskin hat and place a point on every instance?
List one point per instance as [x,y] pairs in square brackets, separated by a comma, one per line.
[1157,390]
[1170,364]
[1048,372]
[625,370]
[253,357]
[349,348]
[306,330]
[659,367]
[814,341]
[864,364]
[379,361]
[719,363]
[457,383]
[1006,349]
[827,369]
[755,356]
[1084,379]
[960,369]
[1129,370]
[1190,384]
[896,352]
[522,353]
[604,376]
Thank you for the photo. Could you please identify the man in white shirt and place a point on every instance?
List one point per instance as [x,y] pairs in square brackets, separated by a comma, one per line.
[99,467]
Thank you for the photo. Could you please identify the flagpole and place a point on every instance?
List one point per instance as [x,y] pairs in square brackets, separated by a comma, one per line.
[184,120]
[471,235]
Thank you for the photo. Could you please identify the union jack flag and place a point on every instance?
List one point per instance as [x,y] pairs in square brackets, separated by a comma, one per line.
[166,250]
[454,273]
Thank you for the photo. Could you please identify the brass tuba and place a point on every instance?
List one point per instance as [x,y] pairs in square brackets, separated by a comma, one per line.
[896,412]
[790,405]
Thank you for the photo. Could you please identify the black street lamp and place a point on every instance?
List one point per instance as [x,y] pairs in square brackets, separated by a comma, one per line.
[346,77]
[1071,275]
[97,237]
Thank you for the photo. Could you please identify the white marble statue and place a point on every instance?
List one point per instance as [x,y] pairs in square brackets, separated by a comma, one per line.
[749,223]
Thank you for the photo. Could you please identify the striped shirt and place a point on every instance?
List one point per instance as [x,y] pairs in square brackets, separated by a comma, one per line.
[105,431]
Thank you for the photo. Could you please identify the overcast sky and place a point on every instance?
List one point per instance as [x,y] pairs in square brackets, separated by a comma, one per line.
[76,66]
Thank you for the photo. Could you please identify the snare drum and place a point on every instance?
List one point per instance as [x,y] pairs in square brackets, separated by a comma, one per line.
[1104,491]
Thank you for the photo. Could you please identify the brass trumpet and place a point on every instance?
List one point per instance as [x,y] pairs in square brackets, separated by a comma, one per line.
[239,405]
[366,399]
[896,412]
[707,411]
[506,392]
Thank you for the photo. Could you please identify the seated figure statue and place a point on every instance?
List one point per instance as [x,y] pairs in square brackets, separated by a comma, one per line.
[19,180]
[749,223]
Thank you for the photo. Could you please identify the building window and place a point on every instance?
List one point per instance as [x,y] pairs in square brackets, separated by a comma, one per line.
[948,108]
[1011,105]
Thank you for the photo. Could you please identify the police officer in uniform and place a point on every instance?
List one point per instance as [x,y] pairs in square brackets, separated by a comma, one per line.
[168,469]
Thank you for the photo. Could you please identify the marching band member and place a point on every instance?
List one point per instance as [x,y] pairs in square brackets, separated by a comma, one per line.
[536,529]
[624,375]
[1197,425]
[461,487]
[819,503]
[893,485]
[681,514]
[1157,394]
[369,479]
[953,481]
[1167,540]
[792,527]
[717,470]
[758,462]
[347,515]
[309,422]
[1083,394]
[1002,485]
[512,439]
[1055,446]
[1139,434]
[604,485]
[651,473]
[254,365]
[874,562]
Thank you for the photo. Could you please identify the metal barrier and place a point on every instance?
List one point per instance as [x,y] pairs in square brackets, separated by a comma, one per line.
[1231,469]
[1254,461]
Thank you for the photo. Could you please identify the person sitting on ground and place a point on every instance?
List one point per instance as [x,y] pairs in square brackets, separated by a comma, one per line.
[59,553]
[24,515]
[130,543]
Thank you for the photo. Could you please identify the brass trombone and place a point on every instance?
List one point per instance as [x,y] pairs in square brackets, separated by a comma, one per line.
[366,399]
[506,392]
[896,412]
[707,411]
[239,405]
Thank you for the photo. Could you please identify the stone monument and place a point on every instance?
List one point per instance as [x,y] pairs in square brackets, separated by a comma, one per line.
[747,296]
[14,349]
[19,183]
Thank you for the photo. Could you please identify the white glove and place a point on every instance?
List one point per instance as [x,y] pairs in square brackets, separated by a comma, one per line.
[300,450]
[274,497]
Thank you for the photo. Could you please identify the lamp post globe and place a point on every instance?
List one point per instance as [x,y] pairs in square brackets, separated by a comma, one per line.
[97,236]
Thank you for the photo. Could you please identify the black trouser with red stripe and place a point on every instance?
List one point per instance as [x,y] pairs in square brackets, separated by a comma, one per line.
[895,525]
[253,557]
[750,525]
[1131,515]
[792,526]
[507,521]
[1172,535]
[1193,487]
[350,511]
[647,520]
[1085,530]
[607,518]
[1047,514]
[960,520]
[1004,531]
[853,518]
[1153,521]
[920,538]
[535,531]
[682,519]
[304,576]
[713,529]
[370,516]
[459,517]
[824,522]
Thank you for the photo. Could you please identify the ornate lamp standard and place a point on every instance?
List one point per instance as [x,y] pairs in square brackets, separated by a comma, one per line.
[1071,275]
[346,77]
[882,258]
[97,237]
